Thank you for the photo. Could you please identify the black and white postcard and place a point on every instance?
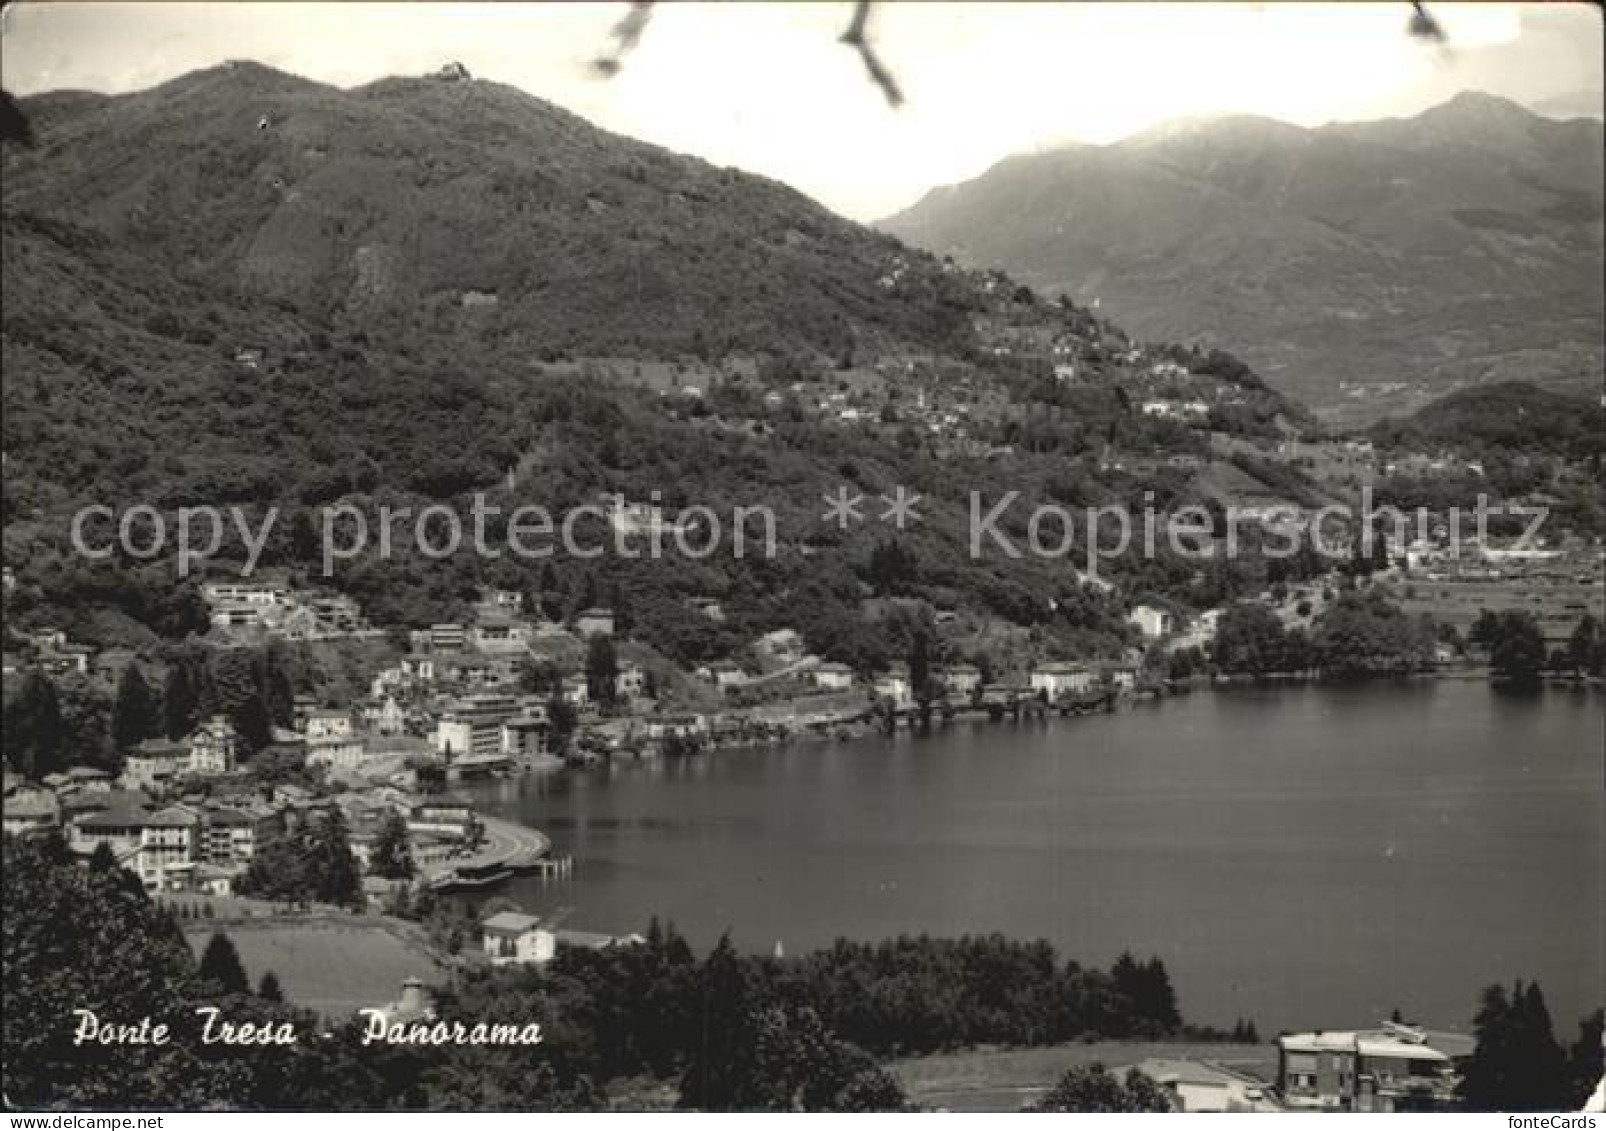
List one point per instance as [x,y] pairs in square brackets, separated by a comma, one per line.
[803,557]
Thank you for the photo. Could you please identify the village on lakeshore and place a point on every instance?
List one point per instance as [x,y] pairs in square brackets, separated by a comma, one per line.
[1039,653]
[301,774]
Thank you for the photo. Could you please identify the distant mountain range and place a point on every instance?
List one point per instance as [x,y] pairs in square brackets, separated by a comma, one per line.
[1572,104]
[1361,267]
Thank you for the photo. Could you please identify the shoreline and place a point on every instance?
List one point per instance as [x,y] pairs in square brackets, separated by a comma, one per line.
[866,728]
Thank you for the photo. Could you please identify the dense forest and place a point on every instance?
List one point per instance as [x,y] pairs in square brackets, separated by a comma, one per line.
[285,328]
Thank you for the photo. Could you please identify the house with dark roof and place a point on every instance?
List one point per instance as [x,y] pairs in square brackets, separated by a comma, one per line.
[30,812]
[510,938]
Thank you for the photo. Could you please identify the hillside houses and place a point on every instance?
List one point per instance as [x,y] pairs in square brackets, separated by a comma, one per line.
[49,651]
[276,610]
[783,646]
[832,677]
[594,622]
[492,724]
[726,675]
[166,846]
[29,811]
[1185,412]
[157,763]
[960,679]
[205,843]
[1151,621]
[894,686]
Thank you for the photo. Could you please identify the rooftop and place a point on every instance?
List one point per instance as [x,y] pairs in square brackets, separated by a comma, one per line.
[510,922]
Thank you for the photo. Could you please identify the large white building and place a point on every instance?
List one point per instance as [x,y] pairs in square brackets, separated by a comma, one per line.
[1061,677]
[1391,1068]
[214,747]
[473,725]
[509,938]
[156,762]
[1151,621]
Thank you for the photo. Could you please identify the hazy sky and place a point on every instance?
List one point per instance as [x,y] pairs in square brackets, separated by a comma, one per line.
[768,87]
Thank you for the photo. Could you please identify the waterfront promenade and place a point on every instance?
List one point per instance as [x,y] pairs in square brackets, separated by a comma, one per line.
[504,846]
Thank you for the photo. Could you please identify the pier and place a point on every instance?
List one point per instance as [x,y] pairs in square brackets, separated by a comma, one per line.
[505,850]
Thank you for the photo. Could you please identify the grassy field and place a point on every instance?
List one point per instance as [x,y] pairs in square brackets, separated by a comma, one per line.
[334,964]
[1007,1079]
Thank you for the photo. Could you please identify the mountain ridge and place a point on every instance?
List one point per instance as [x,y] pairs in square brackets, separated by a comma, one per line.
[248,290]
[1361,267]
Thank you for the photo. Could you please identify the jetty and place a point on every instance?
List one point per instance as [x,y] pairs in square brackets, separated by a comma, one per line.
[505,850]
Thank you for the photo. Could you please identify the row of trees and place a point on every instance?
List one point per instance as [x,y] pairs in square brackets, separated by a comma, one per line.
[1364,633]
[53,724]
[1516,646]
[1518,1065]
[1360,633]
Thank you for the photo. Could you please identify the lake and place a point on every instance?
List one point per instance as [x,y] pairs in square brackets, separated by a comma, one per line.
[1308,857]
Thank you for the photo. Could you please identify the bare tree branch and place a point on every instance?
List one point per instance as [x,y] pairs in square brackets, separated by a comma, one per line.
[626,34]
[857,36]
[1423,26]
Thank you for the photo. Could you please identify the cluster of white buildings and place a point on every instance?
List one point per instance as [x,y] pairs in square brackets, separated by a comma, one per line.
[204,844]
[277,610]
[53,654]
[156,764]
[201,845]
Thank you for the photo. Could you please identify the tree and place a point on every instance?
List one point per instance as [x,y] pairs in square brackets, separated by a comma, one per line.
[1584,647]
[1585,1062]
[1091,1088]
[85,724]
[1517,652]
[393,854]
[1517,1064]
[136,714]
[561,720]
[1249,640]
[1148,986]
[602,670]
[719,1073]
[1364,633]
[124,957]
[32,728]
[239,680]
[920,682]
[269,989]
[220,965]
[331,869]
[180,706]
[278,871]
[102,859]
[1484,629]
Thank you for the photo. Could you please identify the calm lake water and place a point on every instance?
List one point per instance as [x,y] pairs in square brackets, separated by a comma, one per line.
[1306,857]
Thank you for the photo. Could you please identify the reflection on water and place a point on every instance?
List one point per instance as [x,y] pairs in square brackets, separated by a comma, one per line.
[1301,856]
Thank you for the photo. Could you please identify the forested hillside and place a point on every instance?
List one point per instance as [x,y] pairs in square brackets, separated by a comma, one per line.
[243,288]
